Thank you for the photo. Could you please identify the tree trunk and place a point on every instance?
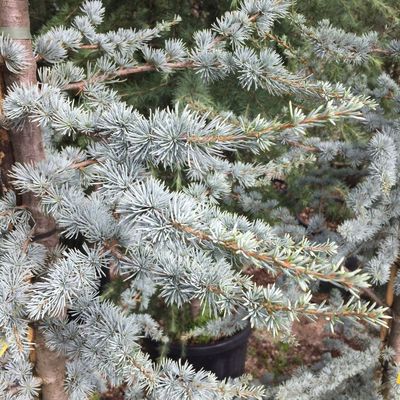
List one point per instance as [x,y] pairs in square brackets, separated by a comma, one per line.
[6,150]
[394,335]
[27,145]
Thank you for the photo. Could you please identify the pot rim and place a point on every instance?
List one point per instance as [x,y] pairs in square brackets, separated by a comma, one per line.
[221,346]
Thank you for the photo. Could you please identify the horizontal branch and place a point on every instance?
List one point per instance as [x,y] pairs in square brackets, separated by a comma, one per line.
[83,164]
[376,315]
[124,72]
[265,258]
[277,127]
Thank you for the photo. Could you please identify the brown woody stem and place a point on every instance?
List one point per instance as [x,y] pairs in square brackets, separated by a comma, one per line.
[27,145]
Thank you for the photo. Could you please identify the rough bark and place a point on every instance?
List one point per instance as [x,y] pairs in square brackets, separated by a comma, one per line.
[393,301]
[391,336]
[394,335]
[27,145]
[6,150]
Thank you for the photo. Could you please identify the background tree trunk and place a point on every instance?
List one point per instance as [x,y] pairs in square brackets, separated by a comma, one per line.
[27,147]
[394,335]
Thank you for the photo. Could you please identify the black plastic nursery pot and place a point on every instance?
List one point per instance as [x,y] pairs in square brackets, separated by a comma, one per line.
[226,357]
